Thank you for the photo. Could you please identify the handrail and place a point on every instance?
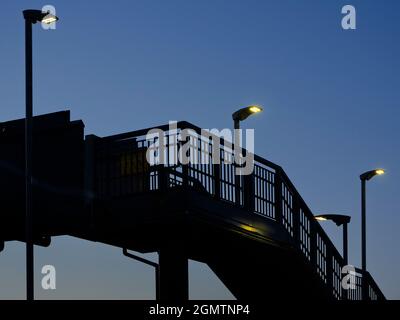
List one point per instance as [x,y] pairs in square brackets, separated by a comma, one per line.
[321,231]
[286,207]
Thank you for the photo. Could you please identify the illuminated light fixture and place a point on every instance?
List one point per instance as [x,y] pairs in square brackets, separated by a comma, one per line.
[244,113]
[49,19]
[364,178]
[372,173]
[340,220]
[34,16]
[255,109]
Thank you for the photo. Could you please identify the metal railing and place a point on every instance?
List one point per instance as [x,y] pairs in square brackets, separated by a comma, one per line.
[122,170]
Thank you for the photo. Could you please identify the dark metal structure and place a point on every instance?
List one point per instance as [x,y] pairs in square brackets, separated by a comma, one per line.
[340,220]
[31,17]
[253,231]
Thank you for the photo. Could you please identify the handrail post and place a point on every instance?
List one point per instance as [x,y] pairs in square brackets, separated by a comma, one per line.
[217,180]
[345,292]
[185,166]
[296,221]
[278,196]
[237,179]
[248,192]
[162,177]
[365,286]
[329,269]
[313,244]
[185,175]
[217,173]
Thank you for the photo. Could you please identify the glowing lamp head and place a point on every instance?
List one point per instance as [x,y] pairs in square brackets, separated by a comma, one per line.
[244,113]
[339,219]
[372,173]
[49,18]
[34,16]
[255,109]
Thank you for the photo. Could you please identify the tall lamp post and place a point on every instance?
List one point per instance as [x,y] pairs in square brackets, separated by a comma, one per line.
[240,115]
[31,17]
[364,178]
[340,220]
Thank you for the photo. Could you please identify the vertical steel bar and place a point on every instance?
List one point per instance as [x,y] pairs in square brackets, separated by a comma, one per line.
[28,163]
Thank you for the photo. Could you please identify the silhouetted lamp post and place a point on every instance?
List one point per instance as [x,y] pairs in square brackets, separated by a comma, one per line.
[243,114]
[339,219]
[240,115]
[31,17]
[364,178]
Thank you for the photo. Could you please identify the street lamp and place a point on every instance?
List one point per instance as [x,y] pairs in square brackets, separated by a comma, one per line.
[364,178]
[238,116]
[243,114]
[31,17]
[339,219]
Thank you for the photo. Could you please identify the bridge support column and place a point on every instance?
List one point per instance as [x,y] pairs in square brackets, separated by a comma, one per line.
[173,275]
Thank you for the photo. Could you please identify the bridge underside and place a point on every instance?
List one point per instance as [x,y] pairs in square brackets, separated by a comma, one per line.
[249,253]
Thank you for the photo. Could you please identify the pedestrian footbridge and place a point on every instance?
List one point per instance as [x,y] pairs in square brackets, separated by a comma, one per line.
[254,231]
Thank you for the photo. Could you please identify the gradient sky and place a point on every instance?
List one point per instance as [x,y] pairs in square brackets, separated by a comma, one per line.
[330,98]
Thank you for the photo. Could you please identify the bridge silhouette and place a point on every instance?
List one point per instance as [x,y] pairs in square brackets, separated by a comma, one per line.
[254,231]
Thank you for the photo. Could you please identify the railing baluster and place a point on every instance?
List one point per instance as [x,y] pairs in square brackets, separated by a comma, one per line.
[329,269]
[248,192]
[185,175]
[163,177]
[217,180]
[296,222]
[217,173]
[313,244]
[278,196]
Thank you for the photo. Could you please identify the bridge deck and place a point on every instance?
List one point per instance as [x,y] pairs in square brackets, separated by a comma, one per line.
[250,229]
